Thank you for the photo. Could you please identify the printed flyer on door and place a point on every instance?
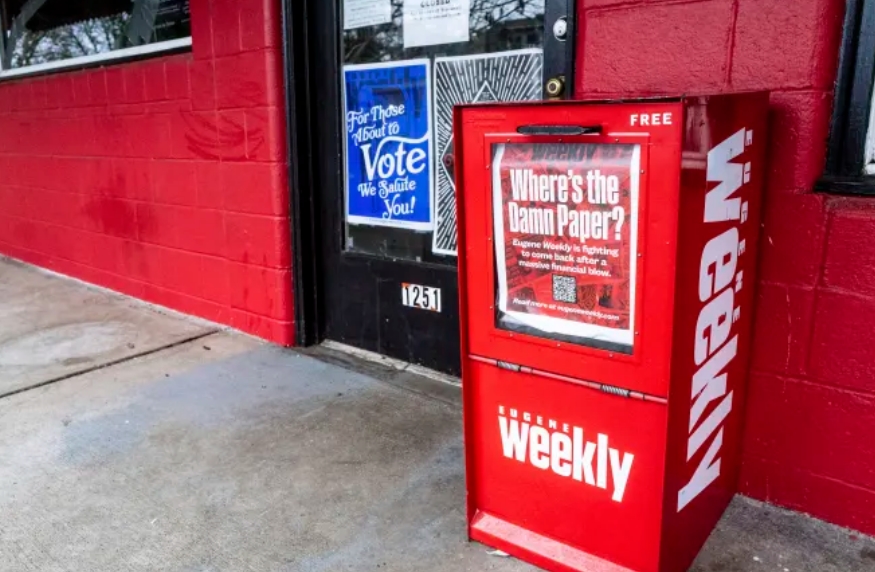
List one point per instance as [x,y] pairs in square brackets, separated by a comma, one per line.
[566,228]
[504,76]
[434,22]
[388,148]
[364,13]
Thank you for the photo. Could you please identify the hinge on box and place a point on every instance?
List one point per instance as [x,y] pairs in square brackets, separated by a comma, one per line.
[603,387]
[509,366]
[615,390]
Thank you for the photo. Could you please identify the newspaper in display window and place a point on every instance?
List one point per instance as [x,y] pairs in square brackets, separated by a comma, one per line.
[566,228]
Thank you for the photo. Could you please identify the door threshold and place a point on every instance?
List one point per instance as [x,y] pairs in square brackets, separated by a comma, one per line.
[397,364]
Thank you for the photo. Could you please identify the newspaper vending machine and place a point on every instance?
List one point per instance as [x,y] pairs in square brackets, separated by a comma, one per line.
[607,259]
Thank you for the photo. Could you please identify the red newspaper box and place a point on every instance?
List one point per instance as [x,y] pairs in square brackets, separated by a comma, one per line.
[607,264]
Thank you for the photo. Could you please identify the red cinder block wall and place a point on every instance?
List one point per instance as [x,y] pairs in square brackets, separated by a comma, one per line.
[811,410]
[165,178]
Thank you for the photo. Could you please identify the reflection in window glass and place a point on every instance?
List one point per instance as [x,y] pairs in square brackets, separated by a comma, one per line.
[495,26]
[45,31]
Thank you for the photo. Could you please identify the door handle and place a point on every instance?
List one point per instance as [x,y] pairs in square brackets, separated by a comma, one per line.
[555,87]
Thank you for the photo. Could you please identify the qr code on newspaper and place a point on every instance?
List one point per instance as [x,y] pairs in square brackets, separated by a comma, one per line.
[564,289]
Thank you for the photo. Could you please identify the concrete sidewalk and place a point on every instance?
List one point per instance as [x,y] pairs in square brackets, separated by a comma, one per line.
[51,328]
[225,454]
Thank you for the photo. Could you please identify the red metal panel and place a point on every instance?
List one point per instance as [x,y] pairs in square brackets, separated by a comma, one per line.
[535,548]
[722,181]
[647,369]
[568,463]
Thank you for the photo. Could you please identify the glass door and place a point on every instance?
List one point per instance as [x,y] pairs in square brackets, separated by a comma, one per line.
[384,76]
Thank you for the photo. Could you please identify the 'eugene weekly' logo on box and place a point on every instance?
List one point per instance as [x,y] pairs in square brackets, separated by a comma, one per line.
[716,341]
[549,445]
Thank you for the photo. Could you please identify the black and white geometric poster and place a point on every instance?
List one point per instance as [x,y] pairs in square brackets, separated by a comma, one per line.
[505,76]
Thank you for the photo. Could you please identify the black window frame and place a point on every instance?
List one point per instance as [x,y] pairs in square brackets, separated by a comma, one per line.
[846,154]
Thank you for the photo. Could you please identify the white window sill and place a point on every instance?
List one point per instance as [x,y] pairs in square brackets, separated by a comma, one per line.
[115,55]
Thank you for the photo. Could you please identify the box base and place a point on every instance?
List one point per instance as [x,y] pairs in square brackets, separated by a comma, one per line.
[534,548]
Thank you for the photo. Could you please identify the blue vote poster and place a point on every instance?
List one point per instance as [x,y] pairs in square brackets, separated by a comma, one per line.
[389,176]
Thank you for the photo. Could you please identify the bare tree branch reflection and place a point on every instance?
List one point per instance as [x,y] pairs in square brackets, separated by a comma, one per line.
[495,25]
[65,42]
[43,31]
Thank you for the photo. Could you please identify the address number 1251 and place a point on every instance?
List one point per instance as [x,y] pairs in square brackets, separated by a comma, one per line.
[422,297]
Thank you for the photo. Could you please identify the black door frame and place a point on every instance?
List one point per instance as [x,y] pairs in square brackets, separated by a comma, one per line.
[299,57]
[306,278]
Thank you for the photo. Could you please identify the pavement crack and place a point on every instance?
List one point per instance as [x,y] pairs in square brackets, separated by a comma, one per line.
[111,363]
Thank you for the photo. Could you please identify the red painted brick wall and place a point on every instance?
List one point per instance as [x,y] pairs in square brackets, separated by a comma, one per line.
[164,179]
[810,437]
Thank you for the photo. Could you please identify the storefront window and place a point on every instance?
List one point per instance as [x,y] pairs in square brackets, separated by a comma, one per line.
[405,66]
[42,34]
